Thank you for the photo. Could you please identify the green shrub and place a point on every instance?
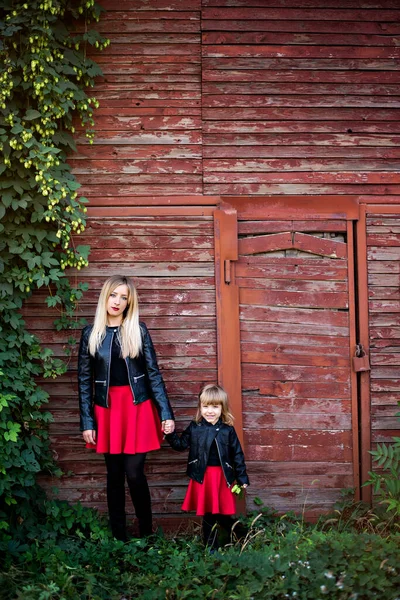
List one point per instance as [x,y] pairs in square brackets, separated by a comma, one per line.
[279,560]
[44,74]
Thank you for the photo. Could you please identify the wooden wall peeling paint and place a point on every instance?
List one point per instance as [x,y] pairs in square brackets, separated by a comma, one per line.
[383,244]
[172,264]
[207,98]
[148,127]
[301,97]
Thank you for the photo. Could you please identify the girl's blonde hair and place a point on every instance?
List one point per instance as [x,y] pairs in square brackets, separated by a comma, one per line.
[214,394]
[129,330]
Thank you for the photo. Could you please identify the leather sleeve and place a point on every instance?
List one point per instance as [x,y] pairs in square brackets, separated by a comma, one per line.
[85,383]
[237,457]
[179,442]
[157,386]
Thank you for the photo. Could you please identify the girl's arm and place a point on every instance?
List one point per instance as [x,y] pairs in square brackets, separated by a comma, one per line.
[179,442]
[85,383]
[238,458]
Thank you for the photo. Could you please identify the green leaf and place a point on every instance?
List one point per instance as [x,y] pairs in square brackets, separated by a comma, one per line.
[32,114]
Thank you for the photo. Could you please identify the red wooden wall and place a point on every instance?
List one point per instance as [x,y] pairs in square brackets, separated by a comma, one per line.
[207,98]
[301,97]
[383,243]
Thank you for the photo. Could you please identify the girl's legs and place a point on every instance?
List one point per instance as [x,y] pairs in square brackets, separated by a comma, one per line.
[210,531]
[116,494]
[139,490]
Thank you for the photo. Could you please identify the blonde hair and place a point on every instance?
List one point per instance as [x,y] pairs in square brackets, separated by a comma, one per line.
[214,394]
[129,330]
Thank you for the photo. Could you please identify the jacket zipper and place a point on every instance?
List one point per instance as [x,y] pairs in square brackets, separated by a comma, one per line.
[134,380]
[193,461]
[222,464]
[109,369]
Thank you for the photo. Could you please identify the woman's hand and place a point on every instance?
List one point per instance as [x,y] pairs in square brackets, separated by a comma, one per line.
[168,426]
[89,435]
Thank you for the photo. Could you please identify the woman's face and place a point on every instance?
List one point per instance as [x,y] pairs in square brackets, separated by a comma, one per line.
[117,303]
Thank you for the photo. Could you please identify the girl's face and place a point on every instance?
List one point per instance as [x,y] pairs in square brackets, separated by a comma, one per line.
[211,412]
[117,303]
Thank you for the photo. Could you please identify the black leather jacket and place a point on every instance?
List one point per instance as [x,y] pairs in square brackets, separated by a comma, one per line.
[144,377]
[199,437]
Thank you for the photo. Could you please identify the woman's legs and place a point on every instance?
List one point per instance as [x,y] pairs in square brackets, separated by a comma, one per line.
[131,466]
[116,494]
[139,490]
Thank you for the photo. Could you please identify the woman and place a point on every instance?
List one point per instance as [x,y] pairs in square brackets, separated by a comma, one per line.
[122,400]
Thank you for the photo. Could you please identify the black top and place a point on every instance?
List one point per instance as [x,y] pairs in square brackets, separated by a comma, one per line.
[118,369]
[213,457]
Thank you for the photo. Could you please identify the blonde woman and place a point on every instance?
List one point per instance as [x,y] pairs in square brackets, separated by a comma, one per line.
[124,407]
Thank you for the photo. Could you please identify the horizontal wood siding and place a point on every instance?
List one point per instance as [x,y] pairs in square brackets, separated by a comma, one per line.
[148,127]
[172,264]
[301,97]
[383,247]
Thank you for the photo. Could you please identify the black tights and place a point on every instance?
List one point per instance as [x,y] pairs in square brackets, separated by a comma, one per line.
[131,466]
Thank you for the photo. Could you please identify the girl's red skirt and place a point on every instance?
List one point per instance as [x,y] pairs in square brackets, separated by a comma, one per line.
[211,496]
[125,427]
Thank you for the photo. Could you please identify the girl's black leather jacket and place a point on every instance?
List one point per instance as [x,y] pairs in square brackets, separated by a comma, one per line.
[199,437]
[144,376]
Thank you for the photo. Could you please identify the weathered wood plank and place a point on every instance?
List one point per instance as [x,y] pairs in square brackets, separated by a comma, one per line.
[315,299]
[301,88]
[301,27]
[138,241]
[265,243]
[260,151]
[260,126]
[307,114]
[276,421]
[297,139]
[291,268]
[263,189]
[295,285]
[260,373]
[336,38]
[329,318]
[299,14]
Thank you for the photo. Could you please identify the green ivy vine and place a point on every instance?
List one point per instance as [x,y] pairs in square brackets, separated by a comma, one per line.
[44,78]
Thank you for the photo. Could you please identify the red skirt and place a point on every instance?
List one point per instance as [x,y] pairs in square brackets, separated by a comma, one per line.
[125,427]
[211,496]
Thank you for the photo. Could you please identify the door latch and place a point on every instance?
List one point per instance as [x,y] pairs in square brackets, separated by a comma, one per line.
[360,360]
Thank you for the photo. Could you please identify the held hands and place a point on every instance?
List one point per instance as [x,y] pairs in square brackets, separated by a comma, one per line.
[89,435]
[168,426]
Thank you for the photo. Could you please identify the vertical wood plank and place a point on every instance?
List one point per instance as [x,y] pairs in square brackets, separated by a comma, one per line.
[365,383]
[227,310]
[353,376]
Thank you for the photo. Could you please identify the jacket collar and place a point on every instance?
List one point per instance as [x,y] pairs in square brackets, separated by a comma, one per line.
[207,424]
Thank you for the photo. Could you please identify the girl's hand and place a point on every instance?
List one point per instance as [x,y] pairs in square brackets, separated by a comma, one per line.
[168,426]
[89,436]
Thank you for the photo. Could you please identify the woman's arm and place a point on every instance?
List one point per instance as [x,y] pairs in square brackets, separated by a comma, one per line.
[85,384]
[159,393]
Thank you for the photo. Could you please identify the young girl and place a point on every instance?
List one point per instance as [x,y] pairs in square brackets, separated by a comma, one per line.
[215,461]
[122,399]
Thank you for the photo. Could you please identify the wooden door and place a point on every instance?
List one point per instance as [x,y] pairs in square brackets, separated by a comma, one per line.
[287,318]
